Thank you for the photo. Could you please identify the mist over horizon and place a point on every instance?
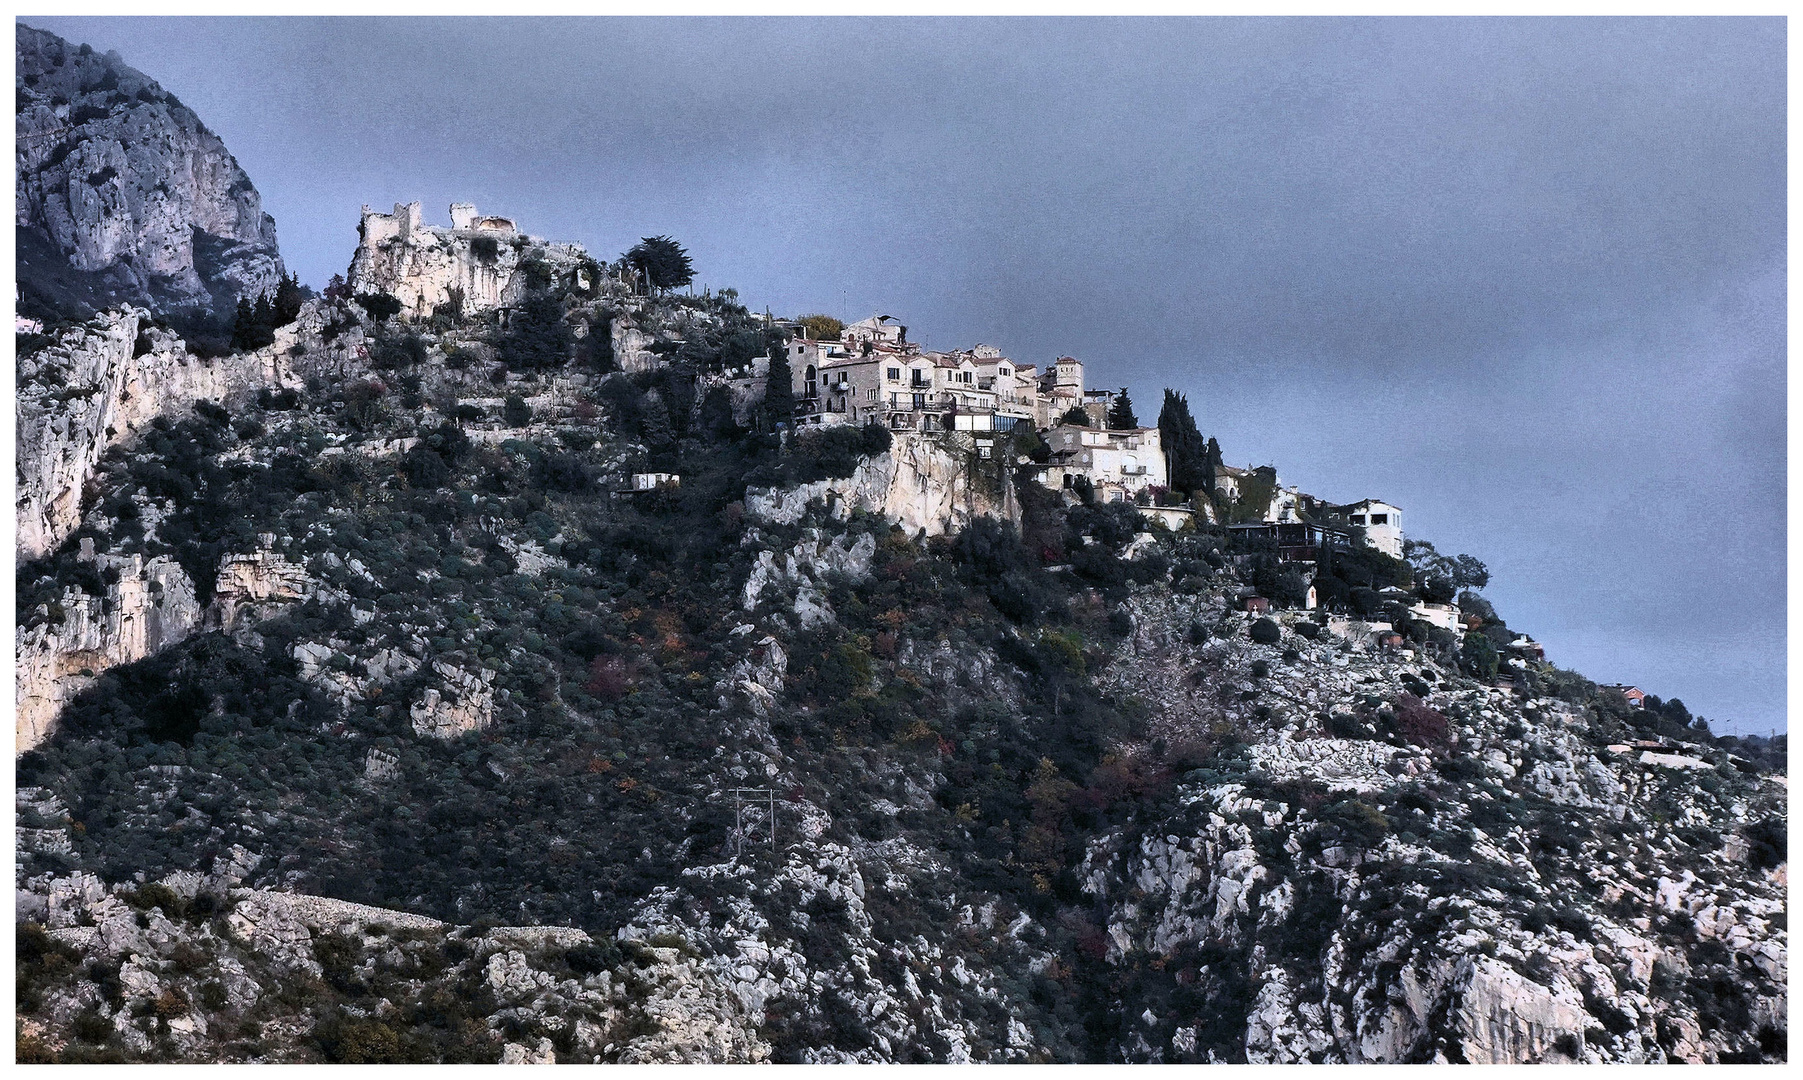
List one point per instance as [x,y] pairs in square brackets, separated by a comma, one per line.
[1525,279]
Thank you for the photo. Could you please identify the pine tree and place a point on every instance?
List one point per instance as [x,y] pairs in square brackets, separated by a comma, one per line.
[1183,445]
[662,261]
[1120,414]
[288,297]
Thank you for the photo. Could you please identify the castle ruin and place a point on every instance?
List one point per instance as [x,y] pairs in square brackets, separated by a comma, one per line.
[474,264]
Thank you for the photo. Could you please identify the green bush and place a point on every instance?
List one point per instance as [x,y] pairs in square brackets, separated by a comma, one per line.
[1265,632]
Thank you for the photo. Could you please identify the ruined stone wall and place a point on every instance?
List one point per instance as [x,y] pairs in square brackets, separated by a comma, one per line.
[422,265]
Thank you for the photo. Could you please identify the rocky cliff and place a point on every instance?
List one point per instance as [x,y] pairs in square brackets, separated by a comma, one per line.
[123,195]
[928,483]
[95,385]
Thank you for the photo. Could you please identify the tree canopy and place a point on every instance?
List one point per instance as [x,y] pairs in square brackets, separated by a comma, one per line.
[822,327]
[663,262]
[1076,417]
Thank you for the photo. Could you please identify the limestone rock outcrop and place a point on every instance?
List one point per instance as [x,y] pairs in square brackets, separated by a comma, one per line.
[478,264]
[96,386]
[924,483]
[150,606]
[467,703]
[123,194]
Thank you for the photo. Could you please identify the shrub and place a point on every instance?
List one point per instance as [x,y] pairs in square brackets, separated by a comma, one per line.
[1478,657]
[515,412]
[1419,724]
[380,306]
[1260,669]
[1265,632]
[283,400]
[1766,843]
[1357,823]
[1308,630]
[610,678]
[562,472]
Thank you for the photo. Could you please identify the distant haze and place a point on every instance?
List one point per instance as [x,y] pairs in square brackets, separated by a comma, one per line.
[1526,279]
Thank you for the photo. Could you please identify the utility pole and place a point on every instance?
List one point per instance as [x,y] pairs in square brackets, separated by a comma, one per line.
[743,797]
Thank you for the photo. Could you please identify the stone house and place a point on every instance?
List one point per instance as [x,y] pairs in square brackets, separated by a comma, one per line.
[876,330]
[1060,389]
[1120,464]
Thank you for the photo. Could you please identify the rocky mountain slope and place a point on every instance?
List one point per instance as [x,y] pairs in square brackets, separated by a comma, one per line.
[123,195]
[381,699]
[445,747]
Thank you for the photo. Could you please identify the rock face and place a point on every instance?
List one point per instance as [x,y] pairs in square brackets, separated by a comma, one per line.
[149,607]
[1485,949]
[477,265]
[925,483]
[467,703]
[99,384]
[123,195]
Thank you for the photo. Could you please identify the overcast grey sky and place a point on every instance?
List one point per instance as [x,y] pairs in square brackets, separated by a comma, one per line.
[1526,279]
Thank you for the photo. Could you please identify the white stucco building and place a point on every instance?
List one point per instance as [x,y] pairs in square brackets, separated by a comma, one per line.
[1381,521]
[1120,464]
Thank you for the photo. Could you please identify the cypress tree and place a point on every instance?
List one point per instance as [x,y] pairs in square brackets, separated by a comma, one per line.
[244,325]
[1183,445]
[288,298]
[656,424]
[779,390]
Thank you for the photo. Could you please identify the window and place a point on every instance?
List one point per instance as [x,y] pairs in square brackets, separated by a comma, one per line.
[1380,519]
[871,393]
[1358,519]
[1006,373]
[895,374]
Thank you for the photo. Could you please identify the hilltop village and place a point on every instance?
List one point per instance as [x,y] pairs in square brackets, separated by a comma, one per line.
[869,372]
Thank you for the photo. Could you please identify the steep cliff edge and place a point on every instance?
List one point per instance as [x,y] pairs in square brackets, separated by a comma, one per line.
[95,386]
[123,195]
[926,483]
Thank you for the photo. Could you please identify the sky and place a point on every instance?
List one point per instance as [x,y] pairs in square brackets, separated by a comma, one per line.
[1524,279]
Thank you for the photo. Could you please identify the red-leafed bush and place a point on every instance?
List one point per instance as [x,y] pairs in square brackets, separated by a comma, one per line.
[1421,725]
[610,678]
